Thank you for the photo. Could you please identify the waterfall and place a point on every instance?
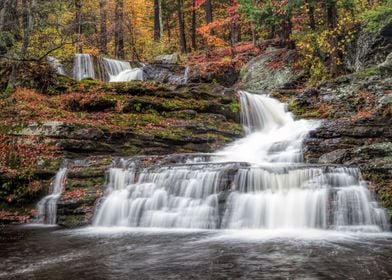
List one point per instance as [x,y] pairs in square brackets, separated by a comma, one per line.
[114,67]
[47,206]
[57,66]
[108,69]
[135,74]
[258,182]
[121,71]
[83,67]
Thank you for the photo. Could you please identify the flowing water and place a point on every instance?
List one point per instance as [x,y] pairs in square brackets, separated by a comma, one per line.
[253,210]
[57,66]
[83,67]
[47,206]
[106,69]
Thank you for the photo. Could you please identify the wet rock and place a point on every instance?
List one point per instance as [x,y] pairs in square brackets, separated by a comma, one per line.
[336,156]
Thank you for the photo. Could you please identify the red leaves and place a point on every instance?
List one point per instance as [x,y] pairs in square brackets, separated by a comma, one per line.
[14,217]
[275,64]
[78,194]
[20,154]
[206,31]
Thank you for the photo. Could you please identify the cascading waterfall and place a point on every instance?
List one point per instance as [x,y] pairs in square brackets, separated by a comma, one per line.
[47,207]
[121,71]
[83,67]
[57,66]
[258,182]
[112,70]
[135,74]
[114,67]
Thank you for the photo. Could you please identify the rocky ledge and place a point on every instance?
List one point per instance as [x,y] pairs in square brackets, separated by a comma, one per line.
[78,120]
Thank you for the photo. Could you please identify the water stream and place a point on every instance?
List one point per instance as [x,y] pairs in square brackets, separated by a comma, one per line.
[47,206]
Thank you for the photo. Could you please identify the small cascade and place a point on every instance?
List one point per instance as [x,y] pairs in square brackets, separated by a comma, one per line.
[128,75]
[83,67]
[47,207]
[258,182]
[57,66]
[113,66]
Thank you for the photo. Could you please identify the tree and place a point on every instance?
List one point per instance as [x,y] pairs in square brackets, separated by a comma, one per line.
[119,30]
[332,21]
[208,9]
[158,28]
[181,24]
[193,25]
[235,22]
[27,23]
[103,36]
[78,26]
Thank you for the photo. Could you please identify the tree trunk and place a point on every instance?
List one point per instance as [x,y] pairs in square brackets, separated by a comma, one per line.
[78,26]
[332,21]
[3,8]
[311,9]
[193,27]
[103,36]
[27,22]
[118,29]
[181,24]
[158,28]
[208,9]
[235,25]
[254,39]
[287,27]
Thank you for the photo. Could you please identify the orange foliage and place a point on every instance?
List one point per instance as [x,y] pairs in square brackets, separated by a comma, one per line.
[362,115]
[78,194]
[22,153]
[14,217]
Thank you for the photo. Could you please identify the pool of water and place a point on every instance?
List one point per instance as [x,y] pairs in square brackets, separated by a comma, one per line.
[99,253]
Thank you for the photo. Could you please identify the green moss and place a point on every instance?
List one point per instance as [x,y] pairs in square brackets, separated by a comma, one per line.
[90,183]
[235,107]
[72,221]
[296,108]
[371,71]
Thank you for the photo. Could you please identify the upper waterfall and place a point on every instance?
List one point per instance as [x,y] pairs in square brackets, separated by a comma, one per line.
[272,133]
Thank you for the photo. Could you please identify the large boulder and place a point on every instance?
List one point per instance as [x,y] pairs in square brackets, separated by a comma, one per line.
[369,49]
[274,69]
[165,72]
[167,59]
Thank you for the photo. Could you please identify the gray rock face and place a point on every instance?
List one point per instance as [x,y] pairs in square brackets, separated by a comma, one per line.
[388,61]
[336,156]
[166,72]
[167,59]
[368,49]
[270,70]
